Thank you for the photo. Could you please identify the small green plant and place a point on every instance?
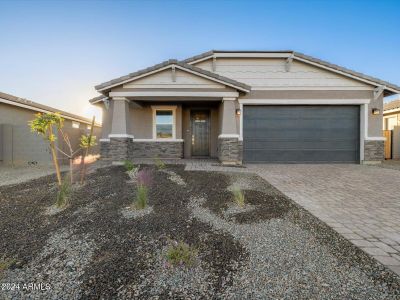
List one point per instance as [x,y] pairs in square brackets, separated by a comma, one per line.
[180,253]
[159,163]
[144,180]
[5,263]
[141,197]
[129,166]
[238,196]
[63,193]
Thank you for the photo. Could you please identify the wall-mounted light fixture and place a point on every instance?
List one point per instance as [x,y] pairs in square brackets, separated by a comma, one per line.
[376,111]
[238,112]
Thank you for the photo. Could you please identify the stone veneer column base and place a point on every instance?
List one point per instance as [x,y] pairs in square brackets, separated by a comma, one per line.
[104,150]
[230,150]
[119,149]
[156,149]
[373,152]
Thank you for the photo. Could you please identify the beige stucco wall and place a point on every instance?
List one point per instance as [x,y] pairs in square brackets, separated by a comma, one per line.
[396,142]
[141,121]
[394,117]
[20,146]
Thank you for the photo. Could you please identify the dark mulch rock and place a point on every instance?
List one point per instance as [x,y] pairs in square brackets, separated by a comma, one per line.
[126,263]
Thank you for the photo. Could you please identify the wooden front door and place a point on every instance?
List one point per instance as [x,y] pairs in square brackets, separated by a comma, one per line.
[200,120]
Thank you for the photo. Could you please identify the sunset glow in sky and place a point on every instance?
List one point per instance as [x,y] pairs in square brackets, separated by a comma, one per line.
[55,52]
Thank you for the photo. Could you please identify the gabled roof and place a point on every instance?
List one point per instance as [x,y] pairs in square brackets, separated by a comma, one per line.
[390,87]
[181,65]
[28,104]
[392,105]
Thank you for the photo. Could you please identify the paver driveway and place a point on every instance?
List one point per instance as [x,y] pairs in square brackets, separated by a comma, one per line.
[360,202]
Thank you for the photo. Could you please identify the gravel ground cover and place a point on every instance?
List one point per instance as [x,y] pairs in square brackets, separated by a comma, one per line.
[91,250]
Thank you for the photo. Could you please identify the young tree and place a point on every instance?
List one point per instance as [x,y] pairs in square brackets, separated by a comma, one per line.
[87,141]
[43,125]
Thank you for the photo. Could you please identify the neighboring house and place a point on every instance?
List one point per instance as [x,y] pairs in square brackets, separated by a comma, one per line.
[250,106]
[19,146]
[391,121]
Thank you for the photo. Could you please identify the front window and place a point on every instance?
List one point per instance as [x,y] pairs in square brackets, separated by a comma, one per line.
[164,122]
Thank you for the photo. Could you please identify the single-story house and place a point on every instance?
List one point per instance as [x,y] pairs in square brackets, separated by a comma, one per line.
[19,146]
[391,122]
[245,106]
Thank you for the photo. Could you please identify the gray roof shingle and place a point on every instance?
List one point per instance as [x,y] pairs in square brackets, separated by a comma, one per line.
[392,105]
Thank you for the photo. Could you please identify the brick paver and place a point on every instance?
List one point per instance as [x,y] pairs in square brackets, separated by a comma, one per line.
[362,203]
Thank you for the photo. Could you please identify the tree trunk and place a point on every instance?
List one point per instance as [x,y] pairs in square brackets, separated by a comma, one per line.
[86,152]
[55,160]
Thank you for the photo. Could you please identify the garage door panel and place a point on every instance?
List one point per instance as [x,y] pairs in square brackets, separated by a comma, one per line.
[275,144]
[301,133]
[296,156]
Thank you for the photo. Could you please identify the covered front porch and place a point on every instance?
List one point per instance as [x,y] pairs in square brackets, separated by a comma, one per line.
[171,127]
[169,111]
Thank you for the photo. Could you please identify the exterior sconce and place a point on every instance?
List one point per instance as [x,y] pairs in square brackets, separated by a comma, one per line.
[376,111]
[238,112]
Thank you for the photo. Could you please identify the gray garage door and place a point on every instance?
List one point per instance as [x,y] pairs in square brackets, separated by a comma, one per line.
[301,134]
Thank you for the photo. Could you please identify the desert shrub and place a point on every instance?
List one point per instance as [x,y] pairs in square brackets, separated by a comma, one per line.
[159,163]
[144,180]
[141,197]
[238,196]
[180,253]
[144,177]
[64,193]
[129,166]
[5,263]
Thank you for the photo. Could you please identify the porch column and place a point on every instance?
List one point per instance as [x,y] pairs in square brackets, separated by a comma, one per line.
[120,125]
[229,144]
[120,137]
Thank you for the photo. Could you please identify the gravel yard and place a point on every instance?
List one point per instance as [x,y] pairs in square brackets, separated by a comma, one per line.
[14,175]
[96,248]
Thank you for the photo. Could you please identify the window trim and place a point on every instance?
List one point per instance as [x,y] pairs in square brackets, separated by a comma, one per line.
[168,108]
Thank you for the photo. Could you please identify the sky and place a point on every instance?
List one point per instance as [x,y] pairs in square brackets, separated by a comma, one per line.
[55,52]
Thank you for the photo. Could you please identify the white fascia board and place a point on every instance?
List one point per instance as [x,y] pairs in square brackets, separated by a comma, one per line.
[228,135]
[120,135]
[158,140]
[173,94]
[201,59]
[43,111]
[313,88]
[100,100]
[375,138]
[390,111]
[303,101]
